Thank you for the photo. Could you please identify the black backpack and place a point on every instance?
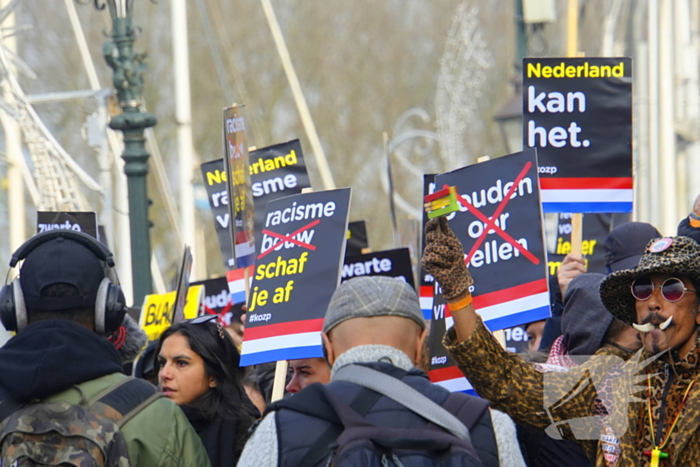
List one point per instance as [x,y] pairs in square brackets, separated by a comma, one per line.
[355,441]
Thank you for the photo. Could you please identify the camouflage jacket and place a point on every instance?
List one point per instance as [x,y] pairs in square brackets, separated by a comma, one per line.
[158,436]
[563,404]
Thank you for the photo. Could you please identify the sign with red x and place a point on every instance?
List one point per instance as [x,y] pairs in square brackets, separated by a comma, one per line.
[241,208]
[500,227]
[300,252]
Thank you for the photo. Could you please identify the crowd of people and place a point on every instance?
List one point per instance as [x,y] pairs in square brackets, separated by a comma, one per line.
[610,379]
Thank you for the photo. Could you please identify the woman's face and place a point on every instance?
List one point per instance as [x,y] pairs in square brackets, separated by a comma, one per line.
[182,377]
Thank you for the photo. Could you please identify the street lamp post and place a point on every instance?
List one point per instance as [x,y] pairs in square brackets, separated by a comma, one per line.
[128,66]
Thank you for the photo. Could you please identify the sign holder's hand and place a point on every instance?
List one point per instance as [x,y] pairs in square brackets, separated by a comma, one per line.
[443,258]
[571,267]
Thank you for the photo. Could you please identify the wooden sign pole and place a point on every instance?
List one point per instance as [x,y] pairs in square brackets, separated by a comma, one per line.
[572,51]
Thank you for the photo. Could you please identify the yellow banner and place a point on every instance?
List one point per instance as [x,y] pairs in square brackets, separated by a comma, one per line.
[157,310]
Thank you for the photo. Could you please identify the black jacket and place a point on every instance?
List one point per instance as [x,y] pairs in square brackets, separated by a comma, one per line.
[51,356]
[294,443]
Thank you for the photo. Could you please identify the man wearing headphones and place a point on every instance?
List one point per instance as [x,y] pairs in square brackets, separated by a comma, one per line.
[63,305]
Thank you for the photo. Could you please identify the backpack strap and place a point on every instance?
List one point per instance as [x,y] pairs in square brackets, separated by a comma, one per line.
[312,401]
[126,399]
[404,395]
[362,404]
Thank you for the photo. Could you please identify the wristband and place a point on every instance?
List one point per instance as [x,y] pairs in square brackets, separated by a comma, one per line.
[463,303]
[694,220]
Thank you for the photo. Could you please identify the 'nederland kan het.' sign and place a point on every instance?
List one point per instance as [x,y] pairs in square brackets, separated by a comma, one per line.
[578,114]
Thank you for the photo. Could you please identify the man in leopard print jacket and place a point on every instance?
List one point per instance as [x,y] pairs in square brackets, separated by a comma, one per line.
[658,427]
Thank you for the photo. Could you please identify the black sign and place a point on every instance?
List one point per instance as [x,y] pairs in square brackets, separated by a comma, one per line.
[426,280]
[239,187]
[85,222]
[215,182]
[595,228]
[577,112]
[217,299]
[500,227]
[357,238]
[183,285]
[275,172]
[297,270]
[442,369]
[392,263]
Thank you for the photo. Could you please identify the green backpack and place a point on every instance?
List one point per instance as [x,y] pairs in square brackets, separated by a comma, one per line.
[61,434]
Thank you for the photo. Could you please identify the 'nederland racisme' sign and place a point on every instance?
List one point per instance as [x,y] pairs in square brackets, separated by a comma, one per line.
[577,112]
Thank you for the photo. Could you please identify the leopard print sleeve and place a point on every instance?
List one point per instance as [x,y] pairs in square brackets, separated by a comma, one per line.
[515,386]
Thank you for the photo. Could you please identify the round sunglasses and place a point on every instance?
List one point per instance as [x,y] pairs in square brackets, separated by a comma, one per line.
[672,289]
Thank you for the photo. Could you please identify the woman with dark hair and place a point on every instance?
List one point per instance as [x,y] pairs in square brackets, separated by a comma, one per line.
[198,369]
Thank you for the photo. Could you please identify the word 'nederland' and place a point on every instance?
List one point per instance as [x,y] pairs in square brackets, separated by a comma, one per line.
[293,214]
[537,70]
[494,251]
[265,187]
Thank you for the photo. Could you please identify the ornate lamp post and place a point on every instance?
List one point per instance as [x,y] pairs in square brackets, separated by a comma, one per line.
[128,66]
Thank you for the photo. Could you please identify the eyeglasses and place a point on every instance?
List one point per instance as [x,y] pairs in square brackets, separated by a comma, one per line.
[202,319]
[206,319]
[672,289]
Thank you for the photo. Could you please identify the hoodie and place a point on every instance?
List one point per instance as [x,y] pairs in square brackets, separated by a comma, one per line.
[51,356]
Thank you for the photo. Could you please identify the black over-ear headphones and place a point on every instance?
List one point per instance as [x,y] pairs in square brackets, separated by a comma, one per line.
[110,306]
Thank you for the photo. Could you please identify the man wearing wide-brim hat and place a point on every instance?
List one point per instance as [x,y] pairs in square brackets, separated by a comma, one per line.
[658,297]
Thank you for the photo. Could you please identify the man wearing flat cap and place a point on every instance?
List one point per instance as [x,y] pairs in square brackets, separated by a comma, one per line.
[376,324]
[658,298]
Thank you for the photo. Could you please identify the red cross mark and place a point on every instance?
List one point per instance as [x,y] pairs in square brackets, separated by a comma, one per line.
[237,152]
[489,224]
[288,238]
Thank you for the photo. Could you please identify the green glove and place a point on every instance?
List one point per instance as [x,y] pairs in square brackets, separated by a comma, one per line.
[443,258]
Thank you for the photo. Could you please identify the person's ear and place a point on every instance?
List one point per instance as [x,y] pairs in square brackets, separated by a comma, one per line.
[328,353]
[212,382]
[420,342]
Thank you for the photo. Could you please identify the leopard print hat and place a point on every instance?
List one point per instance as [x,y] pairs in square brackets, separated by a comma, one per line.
[668,255]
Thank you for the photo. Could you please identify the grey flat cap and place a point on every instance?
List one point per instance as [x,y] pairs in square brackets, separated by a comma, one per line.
[368,296]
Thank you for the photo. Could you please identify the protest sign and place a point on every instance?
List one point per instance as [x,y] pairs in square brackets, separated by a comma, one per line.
[157,312]
[275,172]
[357,238]
[183,285]
[241,209]
[296,272]
[236,283]
[516,339]
[215,182]
[391,263]
[500,227]
[217,299]
[577,112]
[426,281]
[85,222]
[595,228]
[442,369]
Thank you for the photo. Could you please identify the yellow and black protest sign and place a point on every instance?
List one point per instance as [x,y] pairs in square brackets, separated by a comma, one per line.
[157,310]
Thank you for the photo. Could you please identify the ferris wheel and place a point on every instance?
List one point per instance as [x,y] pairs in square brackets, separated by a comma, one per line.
[55,181]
